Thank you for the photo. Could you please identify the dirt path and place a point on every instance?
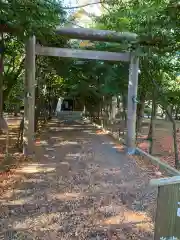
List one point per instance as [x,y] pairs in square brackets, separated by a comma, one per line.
[81,188]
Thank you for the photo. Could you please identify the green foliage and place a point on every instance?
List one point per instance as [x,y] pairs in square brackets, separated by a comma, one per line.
[16,95]
[29,17]
[147,111]
[156,23]
[91,80]
[13,64]
[159,36]
[21,19]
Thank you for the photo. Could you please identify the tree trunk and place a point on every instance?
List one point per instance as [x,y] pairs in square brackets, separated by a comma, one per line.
[118,102]
[49,98]
[177,112]
[140,111]
[1,94]
[1,75]
[151,128]
[110,111]
[99,110]
[16,110]
[176,154]
[54,104]
[1,79]
[124,115]
[20,135]
[170,110]
[177,163]
[124,105]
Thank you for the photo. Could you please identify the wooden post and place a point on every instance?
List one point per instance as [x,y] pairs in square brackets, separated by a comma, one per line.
[132,103]
[168,208]
[29,101]
[25,129]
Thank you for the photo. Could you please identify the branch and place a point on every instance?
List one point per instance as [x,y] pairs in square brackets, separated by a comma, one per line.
[12,66]
[13,83]
[12,61]
[20,68]
[84,5]
[105,8]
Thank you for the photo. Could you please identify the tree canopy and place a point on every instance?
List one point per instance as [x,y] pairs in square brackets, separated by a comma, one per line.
[37,17]
[94,83]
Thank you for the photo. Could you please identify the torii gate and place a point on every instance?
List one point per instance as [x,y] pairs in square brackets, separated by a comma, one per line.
[32,49]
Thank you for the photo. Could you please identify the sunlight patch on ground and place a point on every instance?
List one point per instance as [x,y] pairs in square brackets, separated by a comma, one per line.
[101,132]
[145,226]
[36,168]
[42,143]
[108,143]
[58,144]
[92,132]
[47,155]
[57,138]
[65,143]
[52,122]
[88,131]
[2,138]
[34,180]
[135,217]
[16,199]
[119,147]
[41,222]
[75,155]
[20,201]
[76,126]
[143,145]
[127,216]
[56,129]
[67,128]
[66,196]
[50,149]
[109,171]
[20,225]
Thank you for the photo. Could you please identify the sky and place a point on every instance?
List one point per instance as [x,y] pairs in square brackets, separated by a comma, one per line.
[91,9]
[83,20]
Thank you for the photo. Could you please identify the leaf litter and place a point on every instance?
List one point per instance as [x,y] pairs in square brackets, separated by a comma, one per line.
[103,195]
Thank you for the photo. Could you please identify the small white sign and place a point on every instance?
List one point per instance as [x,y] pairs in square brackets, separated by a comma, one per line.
[178,212]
